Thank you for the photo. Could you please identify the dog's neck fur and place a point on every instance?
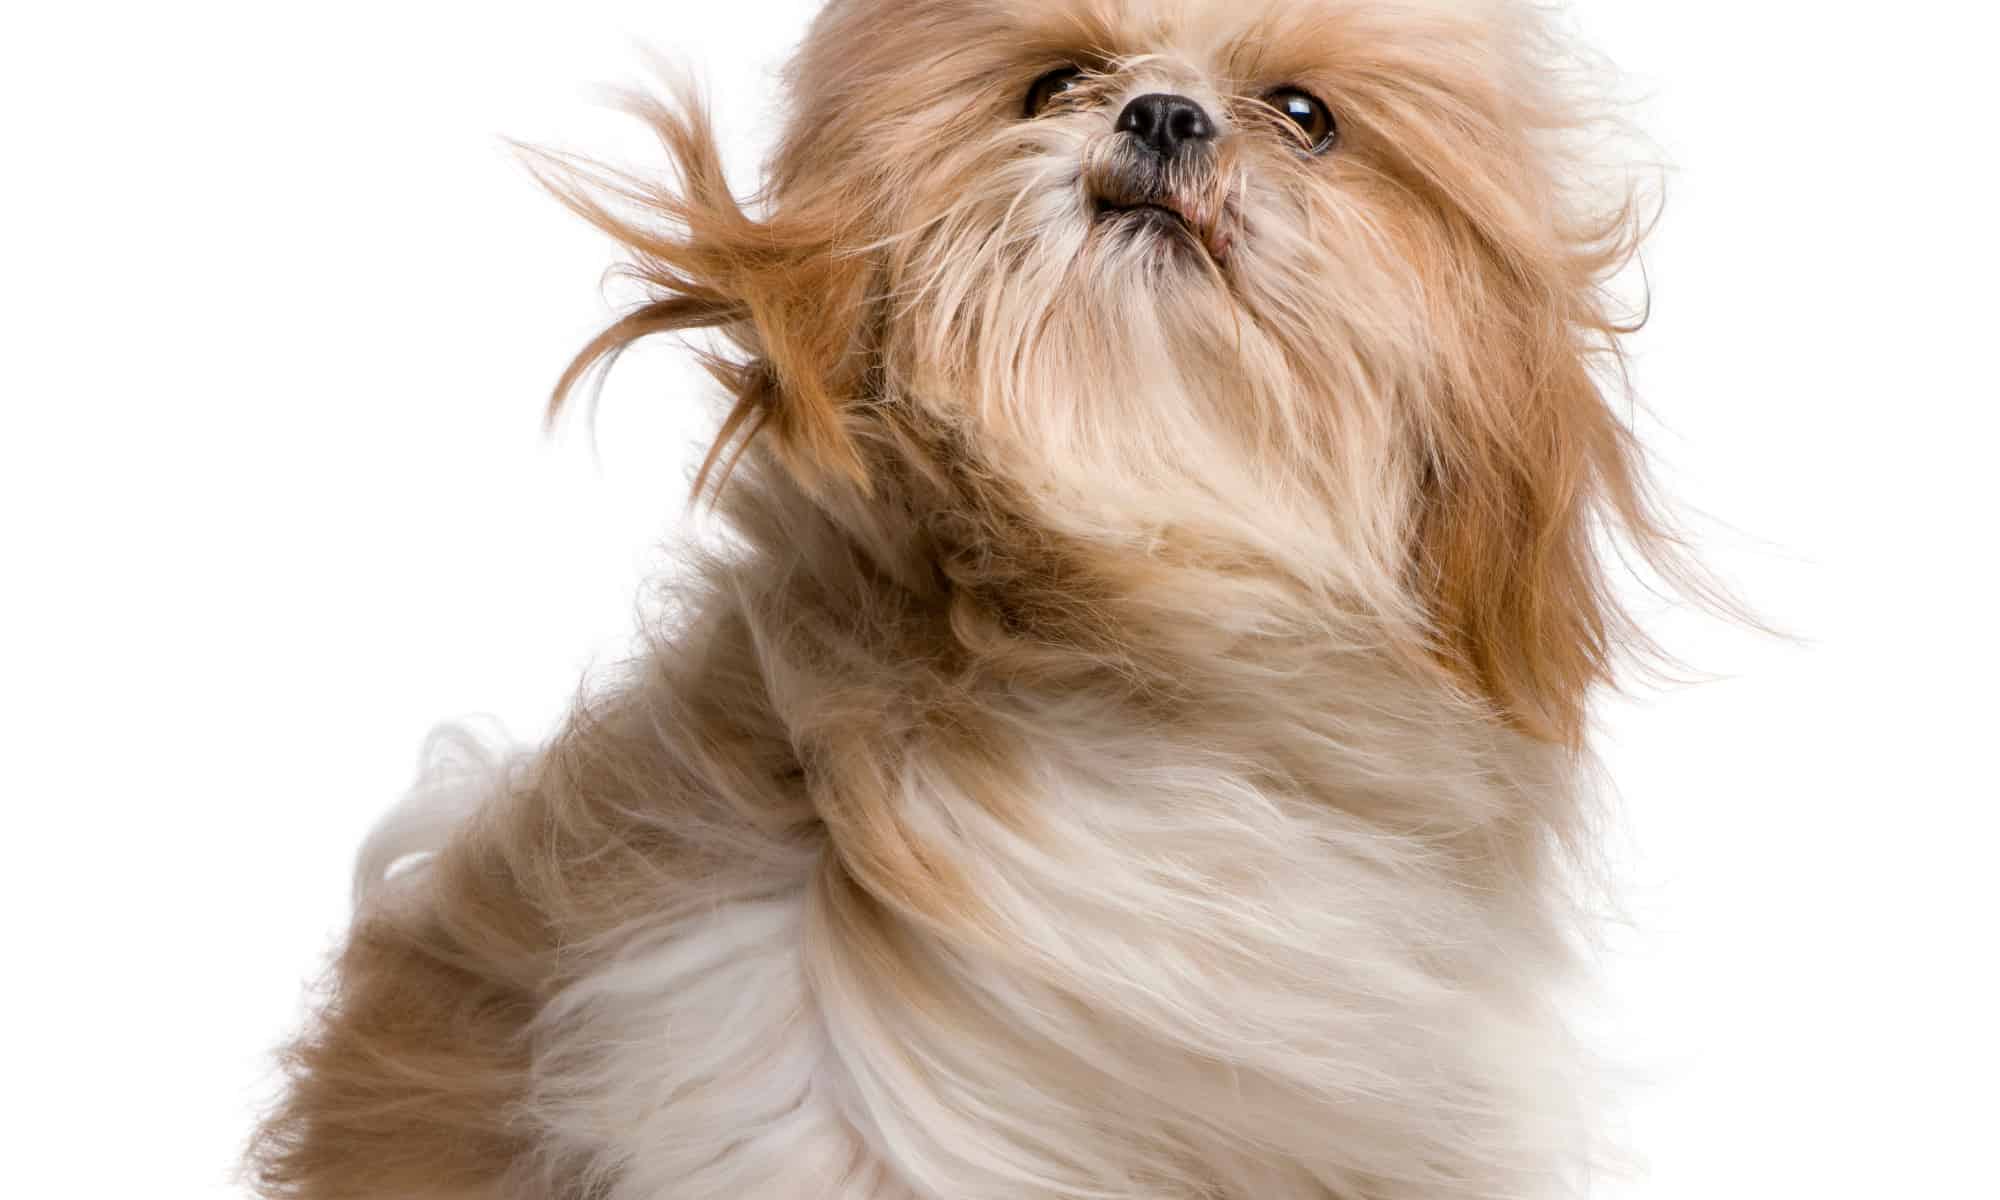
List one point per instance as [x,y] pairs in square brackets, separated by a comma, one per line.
[937,592]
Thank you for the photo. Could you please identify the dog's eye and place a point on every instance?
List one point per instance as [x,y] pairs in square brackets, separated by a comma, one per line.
[1050,86]
[1310,114]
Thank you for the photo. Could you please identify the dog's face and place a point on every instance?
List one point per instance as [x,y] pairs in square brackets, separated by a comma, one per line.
[1311,283]
[1306,271]
[1133,232]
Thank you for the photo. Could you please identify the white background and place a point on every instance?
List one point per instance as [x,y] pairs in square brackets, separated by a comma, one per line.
[278,313]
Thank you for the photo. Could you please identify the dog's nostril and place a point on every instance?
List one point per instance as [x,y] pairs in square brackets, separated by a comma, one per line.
[1166,124]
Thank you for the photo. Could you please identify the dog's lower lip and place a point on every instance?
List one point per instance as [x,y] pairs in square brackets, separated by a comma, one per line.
[1161,209]
[1214,241]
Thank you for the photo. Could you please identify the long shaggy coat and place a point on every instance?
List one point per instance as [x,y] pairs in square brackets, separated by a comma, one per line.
[1130,745]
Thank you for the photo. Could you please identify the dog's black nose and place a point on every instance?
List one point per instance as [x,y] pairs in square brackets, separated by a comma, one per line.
[1167,125]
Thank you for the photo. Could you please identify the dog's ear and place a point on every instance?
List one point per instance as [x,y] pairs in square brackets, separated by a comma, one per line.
[785,289]
[1531,477]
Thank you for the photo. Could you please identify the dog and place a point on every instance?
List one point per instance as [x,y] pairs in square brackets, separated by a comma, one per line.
[1132,741]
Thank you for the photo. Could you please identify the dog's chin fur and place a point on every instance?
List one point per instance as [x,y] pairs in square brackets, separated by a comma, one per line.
[1132,746]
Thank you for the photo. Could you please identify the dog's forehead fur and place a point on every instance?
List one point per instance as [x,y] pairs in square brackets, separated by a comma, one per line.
[859,47]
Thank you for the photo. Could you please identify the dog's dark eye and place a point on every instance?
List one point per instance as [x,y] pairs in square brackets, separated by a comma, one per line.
[1310,114]
[1049,87]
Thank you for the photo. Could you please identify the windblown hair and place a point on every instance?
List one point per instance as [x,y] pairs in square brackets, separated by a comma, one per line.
[1133,744]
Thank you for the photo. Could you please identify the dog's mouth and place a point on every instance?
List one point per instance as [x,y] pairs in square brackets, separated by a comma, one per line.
[1165,216]
[1145,214]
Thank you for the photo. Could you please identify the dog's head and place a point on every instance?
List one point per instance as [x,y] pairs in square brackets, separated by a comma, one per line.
[1317,280]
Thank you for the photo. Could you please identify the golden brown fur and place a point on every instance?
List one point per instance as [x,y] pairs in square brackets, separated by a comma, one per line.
[1133,747]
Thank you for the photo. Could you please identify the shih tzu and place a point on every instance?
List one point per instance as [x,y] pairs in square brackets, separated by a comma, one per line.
[1131,744]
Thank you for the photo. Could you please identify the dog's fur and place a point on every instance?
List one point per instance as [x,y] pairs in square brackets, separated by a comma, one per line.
[1132,746]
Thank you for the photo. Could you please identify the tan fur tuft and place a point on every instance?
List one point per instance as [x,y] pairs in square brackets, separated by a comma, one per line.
[789,292]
